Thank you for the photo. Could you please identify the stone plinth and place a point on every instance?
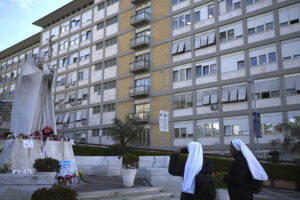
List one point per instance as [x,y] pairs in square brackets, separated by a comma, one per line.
[21,186]
[22,158]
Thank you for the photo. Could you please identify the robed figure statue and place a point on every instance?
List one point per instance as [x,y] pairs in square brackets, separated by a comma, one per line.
[33,107]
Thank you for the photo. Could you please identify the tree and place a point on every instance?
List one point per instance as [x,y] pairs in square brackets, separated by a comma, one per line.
[291,141]
[124,132]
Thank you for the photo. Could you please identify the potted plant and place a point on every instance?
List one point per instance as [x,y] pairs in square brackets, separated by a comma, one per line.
[130,164]
[48,165]
[55,192]
[221,187]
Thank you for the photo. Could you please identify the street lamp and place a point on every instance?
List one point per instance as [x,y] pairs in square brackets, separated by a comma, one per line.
[251,81]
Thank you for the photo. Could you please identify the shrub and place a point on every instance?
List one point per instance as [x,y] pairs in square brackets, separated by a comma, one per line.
[219,181]
[55,192]
[118,150]
[6,168]
[130,161]
[89,151]
[46,165]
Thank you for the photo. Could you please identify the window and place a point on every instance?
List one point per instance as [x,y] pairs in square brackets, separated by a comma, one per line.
[63,62]
[204,12]
[181,21]
[236,126]
[181,46]
[98,66]
[96,110]
[260,24]
[206,69]
[110,2]
[110,63]
[228,5]
[182,74]
[112,21]
[231,32]
[177,1]
[271,123]
[292,85]
[289,15]
[75,22]
[73,58]
[267,89]
[74,40]
[87,16]
[205,40]
[65,27]
[263,55]
[83,75]
[183,101]
[290,49]
[111,42]
[207,97]
[86,35]
[101,6]
[95,132]
[232,62]
[100,26]
[208,129]
[109,85]
[142,82]
[99,46]
[250,2]
[109,108]
[107,131]
[183,132]
[97,88]
[234,94]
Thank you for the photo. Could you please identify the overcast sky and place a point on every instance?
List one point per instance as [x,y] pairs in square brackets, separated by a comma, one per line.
[17,16]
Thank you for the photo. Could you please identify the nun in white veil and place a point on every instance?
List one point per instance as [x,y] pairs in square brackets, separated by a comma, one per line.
[243,170]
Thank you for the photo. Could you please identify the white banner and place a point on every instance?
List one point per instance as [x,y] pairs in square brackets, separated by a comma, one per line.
[166,121]
[161,120]
[28,144]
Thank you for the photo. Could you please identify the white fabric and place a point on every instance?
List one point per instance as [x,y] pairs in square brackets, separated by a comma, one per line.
[255,168]
[192,167]
[33,107]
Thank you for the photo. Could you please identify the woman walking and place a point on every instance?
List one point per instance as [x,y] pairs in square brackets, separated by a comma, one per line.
[243,172]
[189,169]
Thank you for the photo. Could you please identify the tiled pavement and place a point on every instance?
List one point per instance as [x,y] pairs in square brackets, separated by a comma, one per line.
[98,183]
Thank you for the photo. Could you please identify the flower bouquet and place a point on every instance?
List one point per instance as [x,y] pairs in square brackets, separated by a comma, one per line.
[47,132]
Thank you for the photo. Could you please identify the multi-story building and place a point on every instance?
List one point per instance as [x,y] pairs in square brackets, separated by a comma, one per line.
[192,58]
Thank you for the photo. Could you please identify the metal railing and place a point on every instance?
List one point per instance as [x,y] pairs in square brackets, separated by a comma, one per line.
[140,116]
[139,90]
[140,41]
[140,65]
[140,18]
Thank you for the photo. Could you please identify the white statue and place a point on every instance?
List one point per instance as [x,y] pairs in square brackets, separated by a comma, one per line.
[33,107]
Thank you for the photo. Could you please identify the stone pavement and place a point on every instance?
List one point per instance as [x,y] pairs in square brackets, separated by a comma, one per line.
[100,183]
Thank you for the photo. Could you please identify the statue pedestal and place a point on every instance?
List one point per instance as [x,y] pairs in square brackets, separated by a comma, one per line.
[21,154]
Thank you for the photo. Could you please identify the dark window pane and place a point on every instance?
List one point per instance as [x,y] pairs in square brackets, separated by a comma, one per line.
[253,61]
[211,11]
[269,26]
[260,29]
[200,131]
[265,95]
[230,34]
[241,64]
[227,130]
[237,5]
[295,21]
[197,16]
[199,71]
[272,57]
[213,69]
[262,59]
[251,31]
[223,37]
[205,70]
[176,132]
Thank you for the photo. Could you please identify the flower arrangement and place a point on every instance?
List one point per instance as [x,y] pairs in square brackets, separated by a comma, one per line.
[47,132]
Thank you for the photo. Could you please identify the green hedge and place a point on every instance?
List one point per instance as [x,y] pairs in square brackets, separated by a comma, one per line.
[274,171]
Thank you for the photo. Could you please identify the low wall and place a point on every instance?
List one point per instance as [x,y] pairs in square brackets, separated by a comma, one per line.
[21,186]
[152,168]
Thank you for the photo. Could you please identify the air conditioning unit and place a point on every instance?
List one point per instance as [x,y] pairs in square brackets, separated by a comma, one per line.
[73,103]
[66,124]
[214,107]
[83,122]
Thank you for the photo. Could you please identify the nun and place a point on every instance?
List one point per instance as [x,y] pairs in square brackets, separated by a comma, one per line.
[243,170]
[190,168]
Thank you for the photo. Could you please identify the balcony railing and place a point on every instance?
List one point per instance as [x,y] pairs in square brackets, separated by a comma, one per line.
[138,91]
[138,66]
[140,19]
[140,42]
[136,2]
[142,116]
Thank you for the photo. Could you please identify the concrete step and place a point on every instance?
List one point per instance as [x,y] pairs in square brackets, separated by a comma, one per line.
[146,196]
[122,193]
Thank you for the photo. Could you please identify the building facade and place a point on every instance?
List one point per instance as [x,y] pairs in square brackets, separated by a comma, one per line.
[192,58]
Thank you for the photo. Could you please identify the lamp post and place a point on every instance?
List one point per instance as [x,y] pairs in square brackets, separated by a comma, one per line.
[251,81]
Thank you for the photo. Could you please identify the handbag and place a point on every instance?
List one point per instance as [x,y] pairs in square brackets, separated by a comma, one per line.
[204,187]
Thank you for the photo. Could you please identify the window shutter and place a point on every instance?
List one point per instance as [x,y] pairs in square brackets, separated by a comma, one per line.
[225,95]
[283,16]
[264,86]
[289,83]
[297,82]
[233,94]
[294,13]
[174,48]
[242,93]
[197,42]
[211,38]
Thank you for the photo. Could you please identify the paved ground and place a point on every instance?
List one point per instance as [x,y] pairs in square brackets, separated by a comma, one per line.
[97,183]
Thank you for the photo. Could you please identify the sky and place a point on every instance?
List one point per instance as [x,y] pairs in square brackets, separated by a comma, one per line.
[17,16]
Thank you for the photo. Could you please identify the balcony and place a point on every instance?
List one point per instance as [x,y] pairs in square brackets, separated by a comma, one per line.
[142,116]
[136,2]
[140,42]
[140,19]
[139,91]
[140,66]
